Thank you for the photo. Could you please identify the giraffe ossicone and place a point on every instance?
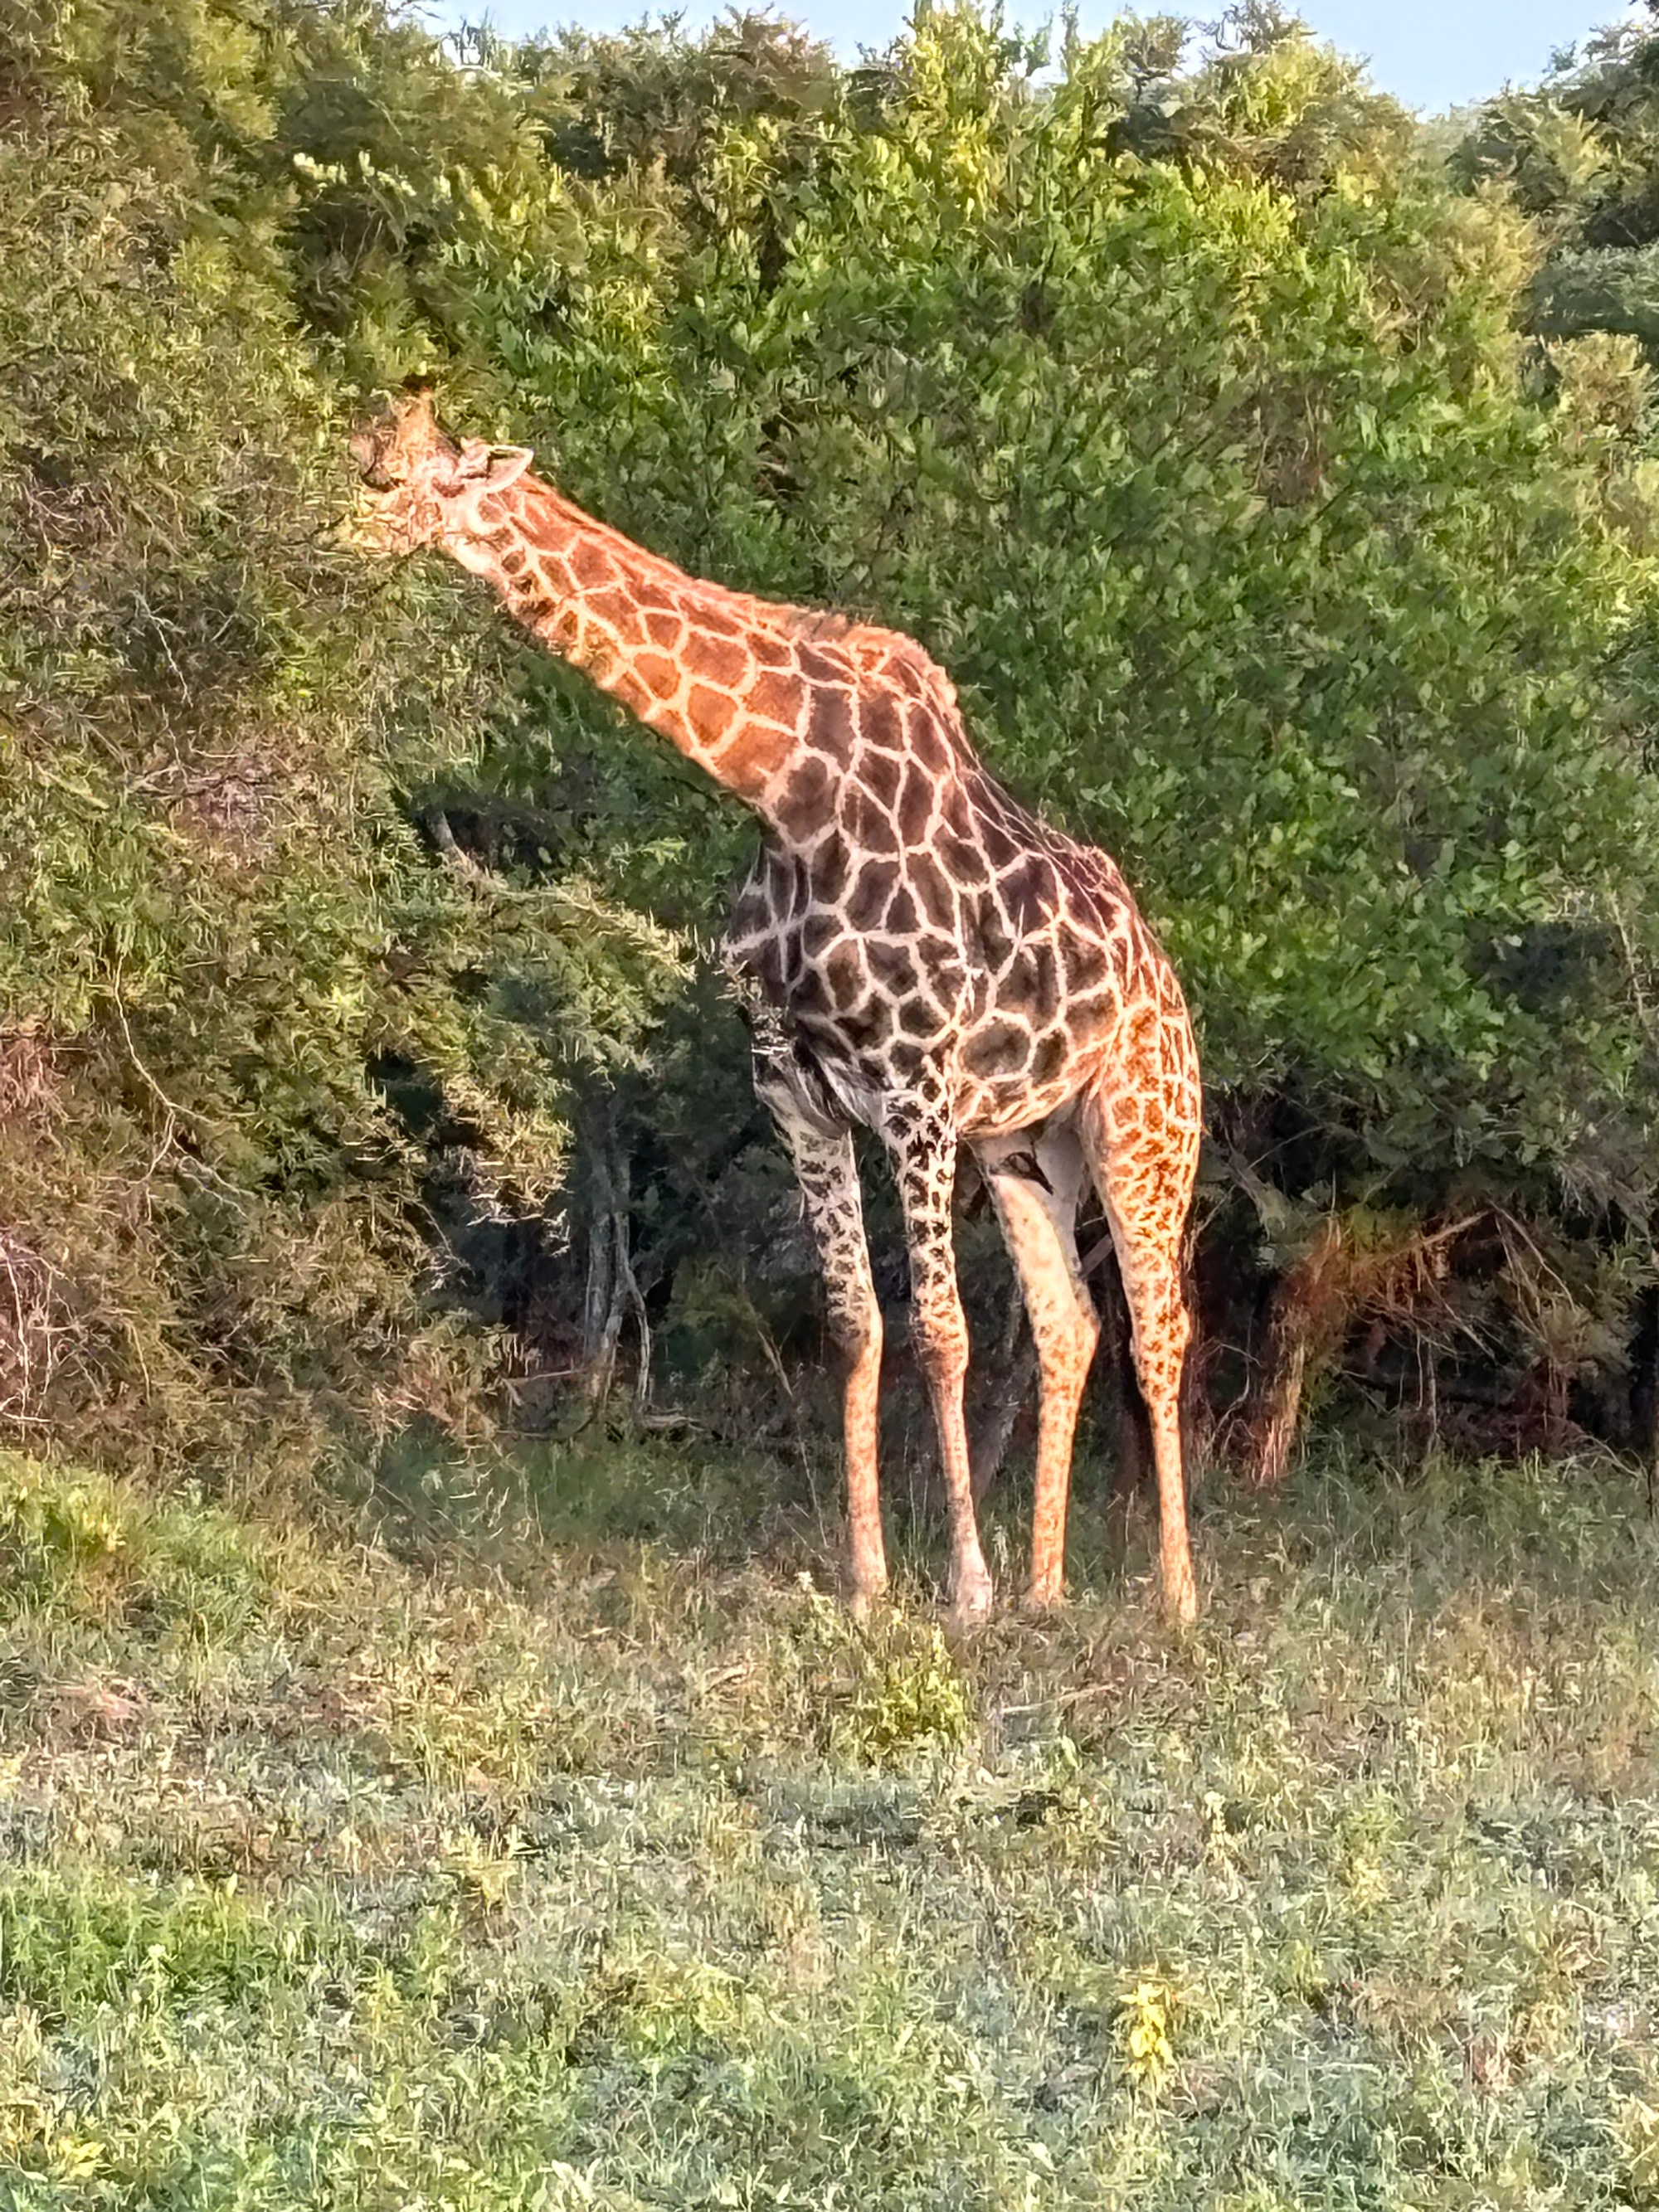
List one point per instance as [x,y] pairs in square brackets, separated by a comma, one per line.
[917,953]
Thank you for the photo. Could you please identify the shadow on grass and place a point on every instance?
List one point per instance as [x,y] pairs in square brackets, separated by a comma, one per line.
[1345,1519]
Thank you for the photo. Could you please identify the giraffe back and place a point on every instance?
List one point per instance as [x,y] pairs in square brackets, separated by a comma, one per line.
[919,937]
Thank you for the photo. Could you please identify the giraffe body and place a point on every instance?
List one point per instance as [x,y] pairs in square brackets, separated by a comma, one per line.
[916,952]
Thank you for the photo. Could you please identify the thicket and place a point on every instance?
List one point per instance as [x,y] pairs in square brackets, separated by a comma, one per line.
[360,1062]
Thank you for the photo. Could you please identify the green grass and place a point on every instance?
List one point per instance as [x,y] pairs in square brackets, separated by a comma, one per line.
[579,1851]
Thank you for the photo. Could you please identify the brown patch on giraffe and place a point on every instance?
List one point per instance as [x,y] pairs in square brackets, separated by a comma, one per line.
[820,669]
[830,867]
[927,745]
[915,804]
[1033,981]
[867,901]
[830,725]
[809,1002]
[892,967]
[776,696]
[710,713]
[1030,891]
[768,966]
[1085,960]
[719,660]
[664,627]
[615,608]
[818,933]
[627,687]
[902,1058]
[990,925]
[770,652]
[962,859]
[880,722]
[937,954]
[955,813]
[901,918]
[999,1048]
[713,621]
[749,761]
[869,826]
[1049,1057]
[544,526]
[998,846]
[660,675]
[1091,1016]
[591,565]
[869,1027]
[927,880]
[804,799]
[843,971]
[879,773]
[515,560]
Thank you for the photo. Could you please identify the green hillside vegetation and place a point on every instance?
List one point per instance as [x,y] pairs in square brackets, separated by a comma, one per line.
[353,991]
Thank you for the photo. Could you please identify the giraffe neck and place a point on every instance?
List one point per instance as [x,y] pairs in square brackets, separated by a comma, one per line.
[732,680]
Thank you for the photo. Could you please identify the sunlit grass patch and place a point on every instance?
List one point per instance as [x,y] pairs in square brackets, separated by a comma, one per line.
[606,1873]
[74,1542]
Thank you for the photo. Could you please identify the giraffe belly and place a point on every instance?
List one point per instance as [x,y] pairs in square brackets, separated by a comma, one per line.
[992,1105]
[853,1022]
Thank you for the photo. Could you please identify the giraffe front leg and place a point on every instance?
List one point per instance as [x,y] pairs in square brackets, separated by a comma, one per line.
[827,1176]
[925,1156]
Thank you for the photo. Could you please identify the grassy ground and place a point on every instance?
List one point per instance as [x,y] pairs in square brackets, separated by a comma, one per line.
[569,1854]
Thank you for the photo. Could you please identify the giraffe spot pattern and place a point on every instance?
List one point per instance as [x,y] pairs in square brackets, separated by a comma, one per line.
[932,949]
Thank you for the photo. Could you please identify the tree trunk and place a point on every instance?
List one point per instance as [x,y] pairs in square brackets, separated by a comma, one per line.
[1645,1397]
[1310,1312]
[1011,1391]
[612,1292]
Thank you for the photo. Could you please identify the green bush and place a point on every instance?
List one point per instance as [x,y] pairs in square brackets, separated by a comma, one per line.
[1177,404]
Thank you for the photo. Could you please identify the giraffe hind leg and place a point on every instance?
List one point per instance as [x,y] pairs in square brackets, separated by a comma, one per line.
[1144,1166]
[1036,1214]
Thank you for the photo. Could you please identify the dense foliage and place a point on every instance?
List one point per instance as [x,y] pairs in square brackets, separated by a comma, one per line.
[1179,405]
[217,928]
[1580,155]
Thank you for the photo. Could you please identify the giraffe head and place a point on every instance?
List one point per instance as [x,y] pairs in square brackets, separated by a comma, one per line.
[419,484]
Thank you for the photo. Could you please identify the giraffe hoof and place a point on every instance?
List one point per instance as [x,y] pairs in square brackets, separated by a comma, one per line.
[1181,1603]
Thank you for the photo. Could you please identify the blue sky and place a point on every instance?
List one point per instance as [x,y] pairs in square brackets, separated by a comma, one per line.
[1431,53]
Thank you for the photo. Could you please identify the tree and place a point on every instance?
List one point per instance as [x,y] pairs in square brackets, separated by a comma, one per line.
[1173,398]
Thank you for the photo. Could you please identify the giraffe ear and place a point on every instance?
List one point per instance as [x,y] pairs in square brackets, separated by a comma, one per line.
[494,467]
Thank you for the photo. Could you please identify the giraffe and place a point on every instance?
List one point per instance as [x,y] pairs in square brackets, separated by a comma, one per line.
[916,954]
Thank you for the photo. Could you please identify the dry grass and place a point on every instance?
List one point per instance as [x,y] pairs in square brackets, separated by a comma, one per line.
[573,1855]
